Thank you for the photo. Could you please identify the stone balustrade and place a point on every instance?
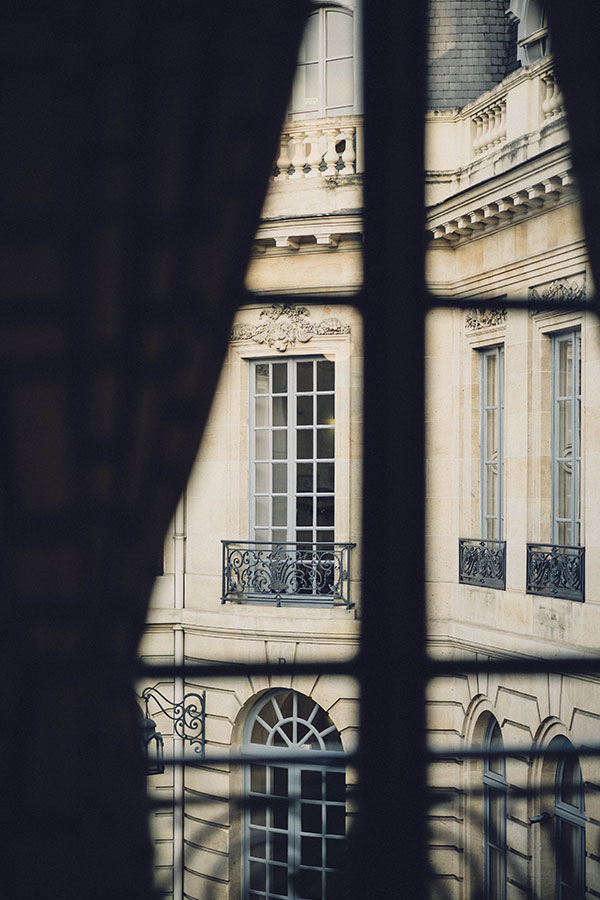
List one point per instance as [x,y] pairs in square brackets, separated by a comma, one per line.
[489,125]
[314,148]
[552,104]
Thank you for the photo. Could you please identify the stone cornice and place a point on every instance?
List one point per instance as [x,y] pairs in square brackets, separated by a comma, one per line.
[500,201]
[290,233]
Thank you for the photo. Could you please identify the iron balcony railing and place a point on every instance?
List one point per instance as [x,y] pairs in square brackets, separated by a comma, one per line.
[286,572]
[482,562]
[554,570]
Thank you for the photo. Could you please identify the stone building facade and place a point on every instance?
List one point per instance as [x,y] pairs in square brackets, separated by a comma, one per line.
[277,489]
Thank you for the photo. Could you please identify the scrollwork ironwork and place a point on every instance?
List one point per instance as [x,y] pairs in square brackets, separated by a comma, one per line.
[482,563]
[262,571]
[188,715]
[556,571]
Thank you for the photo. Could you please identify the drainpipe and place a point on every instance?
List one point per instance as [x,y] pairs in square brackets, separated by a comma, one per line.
[178,689]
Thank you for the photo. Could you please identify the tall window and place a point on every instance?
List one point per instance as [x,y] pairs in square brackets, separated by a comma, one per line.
[294,825]
[495,788]
[324,83]
[566,437]
[569,817]
[491,443]
[292,425]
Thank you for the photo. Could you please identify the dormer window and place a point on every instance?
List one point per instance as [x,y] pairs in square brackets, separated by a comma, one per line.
[533,36]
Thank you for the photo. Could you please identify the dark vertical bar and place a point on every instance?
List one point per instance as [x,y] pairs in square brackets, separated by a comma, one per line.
[391,847]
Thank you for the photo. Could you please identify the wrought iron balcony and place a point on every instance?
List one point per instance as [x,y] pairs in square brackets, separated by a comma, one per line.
[286,572]
[554,570]
[482,563]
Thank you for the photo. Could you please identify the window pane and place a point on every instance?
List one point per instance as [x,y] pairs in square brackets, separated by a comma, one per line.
[258,844]
[311,851]
[304,478]
[339,88]
[309,49]
[262,378]
[280,444]
[304,411]
[261,478]
[279,478]
[279,847]
[304,376]
[258,779]
[261,411]
[261,445]
[336,786]
[279,511]
[279,880]
[279,378]
[339,34]
[311,785]
[325,477]
[325,511]
[280,781]
[258,878]
[304,511]
[311,817]
[279,410]
[325,411]
[261,510]
[336,820]
[490,379]
[565,367]
[304,444]
[325,443]
[325,375]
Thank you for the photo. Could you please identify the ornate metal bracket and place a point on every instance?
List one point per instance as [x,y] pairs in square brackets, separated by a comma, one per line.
[554,570]
[188,715]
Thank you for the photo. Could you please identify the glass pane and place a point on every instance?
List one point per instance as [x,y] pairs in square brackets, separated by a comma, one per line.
[279,814]
[280,781]
[325,511]
[280,444]
[304,537]
[569,852]
[311,851]
[324,536]
[258,877]
[565,481]
[491,490]
[258,845]
[279,847]
[325,477]
[304,511]
[564,437]
[490,379]
[279,378]
[279,880]
[304,478]
[311,817]
[261,378]
[258,779]
[279,511]
[339,87]
[258,815]
[325,439]
[261,478]
[572,782]
[279,534]
[496,816]
[304,444]
[491,434]
[279,478]
[261,411]
[339,34]
[496,875]
[309,49]
[565,367]
[325,375]
[305,91]
[261,510]
[279,410]
[336,820]
[311,785]
[304,376]
[269,714]
[335,786]
[335,852]
[496,764]
[304,411]
[309,884]
[325,410]
[261,445]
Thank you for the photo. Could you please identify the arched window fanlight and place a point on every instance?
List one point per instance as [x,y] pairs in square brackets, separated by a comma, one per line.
[325,78]
[570,820]
[294,823]
[533,36]
[495,789]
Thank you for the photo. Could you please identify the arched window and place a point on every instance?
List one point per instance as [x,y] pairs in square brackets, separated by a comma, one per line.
[533,37]
[494,831]
[294,824]
[325,78]
[569,817]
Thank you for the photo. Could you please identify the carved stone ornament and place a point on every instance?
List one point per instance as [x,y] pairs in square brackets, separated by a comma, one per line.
[476,319]
[283,326]
[560,291]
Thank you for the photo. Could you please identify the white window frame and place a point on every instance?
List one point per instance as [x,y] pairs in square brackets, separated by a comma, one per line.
[565,814]
[495,787]
[572,521]
[319,533]
[322,109]
[293,799]
[487,460]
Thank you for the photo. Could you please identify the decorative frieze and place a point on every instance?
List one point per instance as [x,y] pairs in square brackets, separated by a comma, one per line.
[282,326]
[477,319]
[561,291]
